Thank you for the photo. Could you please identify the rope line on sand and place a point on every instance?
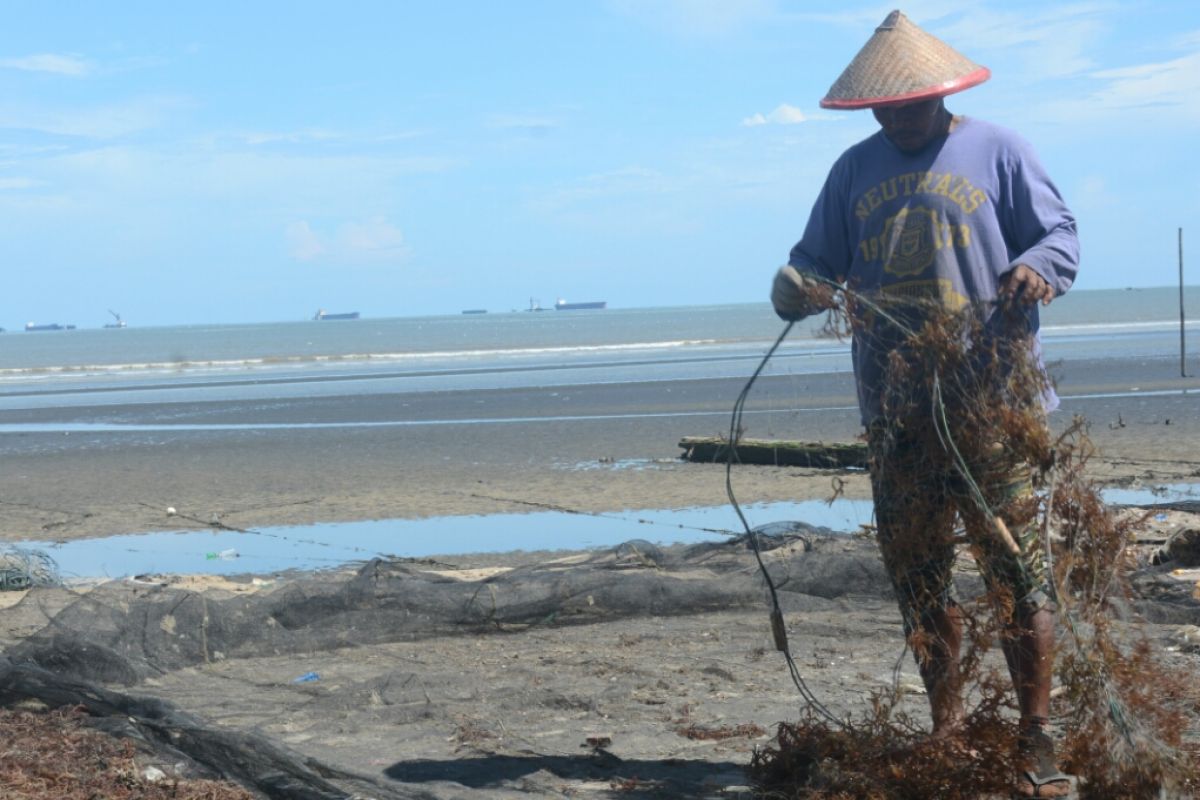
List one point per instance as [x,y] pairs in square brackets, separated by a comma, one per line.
[778,628]
[214,523]
[599,514]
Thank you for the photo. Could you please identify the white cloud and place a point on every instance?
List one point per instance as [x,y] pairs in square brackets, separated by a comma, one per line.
[18,183]
[624,182]
[1169,84]
[1056,42]
[1159,94]
[354,243]
[1092,192]
[328,138]
[1188,40]
[864,19]
[255,138]
[259,183]
[303,243]
[100,122]
[1048,41]
[374,238]
[625,199]
[783,114]
[528,124]
[49,62]
[697,18]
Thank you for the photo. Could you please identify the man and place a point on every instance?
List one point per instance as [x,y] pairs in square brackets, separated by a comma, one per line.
[957,214]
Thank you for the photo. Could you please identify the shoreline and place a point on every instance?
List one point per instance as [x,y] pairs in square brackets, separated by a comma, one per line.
[273,481]
[597,447]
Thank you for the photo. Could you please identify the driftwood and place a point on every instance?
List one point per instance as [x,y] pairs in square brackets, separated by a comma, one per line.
[835,455]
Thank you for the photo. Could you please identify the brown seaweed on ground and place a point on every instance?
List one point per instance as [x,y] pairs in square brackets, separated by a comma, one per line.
[1121,713]
[55,754]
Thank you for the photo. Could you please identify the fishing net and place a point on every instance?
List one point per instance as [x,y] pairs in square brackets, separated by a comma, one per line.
[119,636]
[98,649]
[963,460]
[23,568]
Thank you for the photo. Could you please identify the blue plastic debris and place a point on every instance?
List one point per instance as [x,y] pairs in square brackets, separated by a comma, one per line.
[307,677]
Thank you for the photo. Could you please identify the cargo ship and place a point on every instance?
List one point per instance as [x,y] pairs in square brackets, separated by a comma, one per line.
[322,314]
[563,305]
[48,326]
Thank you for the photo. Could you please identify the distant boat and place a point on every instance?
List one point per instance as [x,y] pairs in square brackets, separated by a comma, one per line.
[322,314]
[563,305]
[117,323]
[534,305]
[48,326]
[474,310]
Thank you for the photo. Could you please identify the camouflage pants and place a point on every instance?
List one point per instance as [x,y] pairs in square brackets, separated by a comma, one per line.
[918,495]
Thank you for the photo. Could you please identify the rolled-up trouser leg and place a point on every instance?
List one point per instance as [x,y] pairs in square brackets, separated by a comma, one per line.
[1007,489]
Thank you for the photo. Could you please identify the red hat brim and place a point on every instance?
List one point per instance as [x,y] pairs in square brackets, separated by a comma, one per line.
[902,64]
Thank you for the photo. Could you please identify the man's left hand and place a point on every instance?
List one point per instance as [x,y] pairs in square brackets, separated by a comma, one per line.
[1025,285]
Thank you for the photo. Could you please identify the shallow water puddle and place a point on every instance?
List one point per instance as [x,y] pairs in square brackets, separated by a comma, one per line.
[325,545]
[1152,495]
[331,544]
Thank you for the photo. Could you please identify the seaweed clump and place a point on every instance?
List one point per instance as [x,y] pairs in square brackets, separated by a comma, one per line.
[969,392]
[53,754]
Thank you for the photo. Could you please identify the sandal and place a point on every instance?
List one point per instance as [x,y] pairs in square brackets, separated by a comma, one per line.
[1039,775]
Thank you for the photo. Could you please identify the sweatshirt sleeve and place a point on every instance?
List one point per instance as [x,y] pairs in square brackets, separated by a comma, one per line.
[825,247]
[1039,229]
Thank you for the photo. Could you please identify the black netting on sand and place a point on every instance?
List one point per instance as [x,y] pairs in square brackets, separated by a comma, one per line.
[110,636]
[98,646]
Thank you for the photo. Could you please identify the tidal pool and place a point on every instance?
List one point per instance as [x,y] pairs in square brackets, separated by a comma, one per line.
[319,546]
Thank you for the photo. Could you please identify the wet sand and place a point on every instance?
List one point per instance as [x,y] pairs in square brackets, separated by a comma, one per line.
[590,448]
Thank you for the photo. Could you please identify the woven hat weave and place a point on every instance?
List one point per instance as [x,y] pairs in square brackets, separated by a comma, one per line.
[901,64]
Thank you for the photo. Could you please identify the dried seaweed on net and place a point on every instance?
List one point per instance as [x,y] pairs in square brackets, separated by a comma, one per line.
[1125,713]
[53,754]
[883,754]
[971,403]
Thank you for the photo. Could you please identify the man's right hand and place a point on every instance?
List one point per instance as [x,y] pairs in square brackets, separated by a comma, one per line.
[796,295]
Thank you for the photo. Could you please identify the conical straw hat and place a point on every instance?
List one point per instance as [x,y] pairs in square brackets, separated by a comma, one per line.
[901,64]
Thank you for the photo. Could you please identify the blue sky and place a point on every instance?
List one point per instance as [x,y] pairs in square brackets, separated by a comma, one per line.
[242,162]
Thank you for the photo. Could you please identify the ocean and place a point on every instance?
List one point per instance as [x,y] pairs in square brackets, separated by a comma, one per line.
[105,367]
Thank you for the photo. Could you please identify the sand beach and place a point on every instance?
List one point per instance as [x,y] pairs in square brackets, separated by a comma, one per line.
[644,670]
[596,698]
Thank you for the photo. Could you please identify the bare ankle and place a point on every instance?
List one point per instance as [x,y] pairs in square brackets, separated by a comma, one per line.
[948,724]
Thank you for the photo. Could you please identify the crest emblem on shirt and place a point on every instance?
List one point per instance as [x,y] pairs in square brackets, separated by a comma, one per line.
[909,241]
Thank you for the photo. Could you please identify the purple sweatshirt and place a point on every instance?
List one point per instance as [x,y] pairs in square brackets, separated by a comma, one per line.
[947,222]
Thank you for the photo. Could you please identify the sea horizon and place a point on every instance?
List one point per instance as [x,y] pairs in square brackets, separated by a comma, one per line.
[1191,292]
[271,344]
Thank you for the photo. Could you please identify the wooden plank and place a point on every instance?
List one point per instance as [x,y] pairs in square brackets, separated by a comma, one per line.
[782,453]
